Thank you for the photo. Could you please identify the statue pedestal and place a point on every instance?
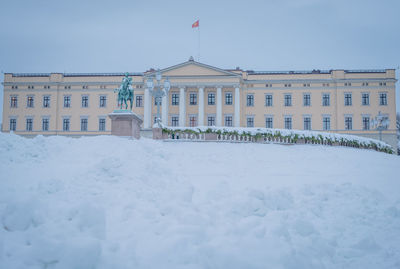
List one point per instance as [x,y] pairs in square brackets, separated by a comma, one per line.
[125,123]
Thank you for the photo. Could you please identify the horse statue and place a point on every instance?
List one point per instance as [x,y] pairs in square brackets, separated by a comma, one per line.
[125,92]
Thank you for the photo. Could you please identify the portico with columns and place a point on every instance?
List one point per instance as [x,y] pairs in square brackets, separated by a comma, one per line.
[193,83]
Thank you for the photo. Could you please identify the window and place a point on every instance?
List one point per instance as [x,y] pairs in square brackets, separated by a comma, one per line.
[13,124]
[67,87]
[347,99]
[365,123]
[139,100]
[288,122]
[228,98]
[103,101]
[29,101]
[228,121]
[250,121]
[385,118]
[326,99]
[103,86]
[288,99]
[382,99]
[268,85]
[382,83]
[365,83]
[192,121]
[175,121]
[306,99]
[347,84]
[85,101]
[348,123]
[84,124]
[365,99]
[45,124]
[307,123]
[306,85]
[157,100]
[46,101]
[288,85]
[14,101]
[46,87]
[65,125]
[193,99]
[268,122]
[14,87]
[175,99]
[31,87]
[67,101]
[326,123]
[325,84]
[29,124]
[268,100]
[211,121]
[85,87]
[102,124]
[211,98]
[250,100]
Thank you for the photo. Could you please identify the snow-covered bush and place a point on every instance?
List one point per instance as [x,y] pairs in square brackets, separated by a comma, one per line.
[292,136]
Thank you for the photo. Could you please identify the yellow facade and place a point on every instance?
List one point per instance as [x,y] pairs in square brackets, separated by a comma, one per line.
[213,96]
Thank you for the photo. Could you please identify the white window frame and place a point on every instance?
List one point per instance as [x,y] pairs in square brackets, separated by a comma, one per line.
[308,116]
[272,99]
[225,117]
[105,123]
[362,98]
[291,122]
[323,99]
[87,123]
[304,94]
[43,100]
[249,117]
[48,123]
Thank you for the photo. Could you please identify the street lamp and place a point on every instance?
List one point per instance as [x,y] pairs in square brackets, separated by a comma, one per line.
[159,91]
[380,123]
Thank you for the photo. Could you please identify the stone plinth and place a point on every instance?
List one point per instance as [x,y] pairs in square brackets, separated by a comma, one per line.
[125,123]
[157,134]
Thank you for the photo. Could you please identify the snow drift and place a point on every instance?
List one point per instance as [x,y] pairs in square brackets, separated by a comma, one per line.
[108,202]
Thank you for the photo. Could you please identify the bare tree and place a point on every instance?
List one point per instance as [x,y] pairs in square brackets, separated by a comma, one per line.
[398,124]
[398,132]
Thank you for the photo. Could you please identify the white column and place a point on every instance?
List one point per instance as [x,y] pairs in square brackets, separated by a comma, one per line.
[147,109]
[219,106]
[164,106]
[237,106]
[201,106]
[182,107]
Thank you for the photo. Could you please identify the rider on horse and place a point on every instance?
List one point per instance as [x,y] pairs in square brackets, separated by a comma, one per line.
[125,92]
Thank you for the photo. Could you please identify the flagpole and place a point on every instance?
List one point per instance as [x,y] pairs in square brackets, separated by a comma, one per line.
[198,56]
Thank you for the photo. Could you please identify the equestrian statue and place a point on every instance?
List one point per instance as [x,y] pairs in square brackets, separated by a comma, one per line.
[125,92]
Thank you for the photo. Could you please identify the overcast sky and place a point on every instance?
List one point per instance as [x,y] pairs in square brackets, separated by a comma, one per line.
[120,36]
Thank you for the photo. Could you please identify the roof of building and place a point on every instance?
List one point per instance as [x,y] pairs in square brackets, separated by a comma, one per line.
[75,74]
[315,71]
[250,72]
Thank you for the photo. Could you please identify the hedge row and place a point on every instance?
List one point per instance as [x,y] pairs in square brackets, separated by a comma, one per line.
[292,136]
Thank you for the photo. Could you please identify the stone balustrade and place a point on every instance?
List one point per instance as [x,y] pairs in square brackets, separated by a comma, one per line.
[188,135]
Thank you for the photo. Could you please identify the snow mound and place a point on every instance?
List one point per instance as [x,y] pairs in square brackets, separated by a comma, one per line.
[108,202]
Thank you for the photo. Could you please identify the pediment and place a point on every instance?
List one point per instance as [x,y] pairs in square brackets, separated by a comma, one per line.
[193,68]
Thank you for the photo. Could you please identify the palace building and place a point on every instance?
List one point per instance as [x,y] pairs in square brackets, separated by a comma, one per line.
[341,101]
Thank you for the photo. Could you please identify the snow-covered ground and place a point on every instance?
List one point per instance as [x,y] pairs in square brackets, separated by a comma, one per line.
[108,202]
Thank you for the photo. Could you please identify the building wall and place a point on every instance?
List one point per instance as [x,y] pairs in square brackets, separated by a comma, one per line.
[191,76]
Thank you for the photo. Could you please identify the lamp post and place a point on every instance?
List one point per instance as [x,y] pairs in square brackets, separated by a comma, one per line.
[380,123]
[158,91]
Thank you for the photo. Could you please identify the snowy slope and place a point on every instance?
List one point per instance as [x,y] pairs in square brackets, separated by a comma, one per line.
[108,202]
